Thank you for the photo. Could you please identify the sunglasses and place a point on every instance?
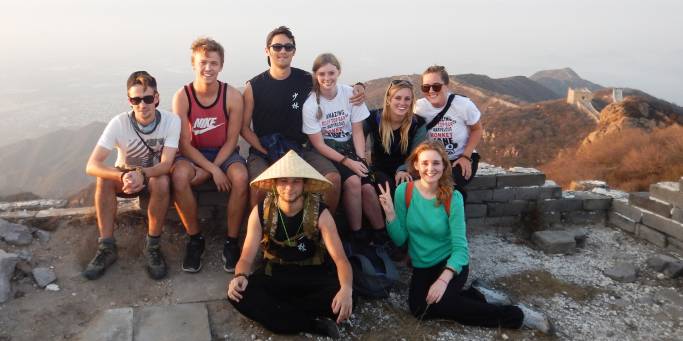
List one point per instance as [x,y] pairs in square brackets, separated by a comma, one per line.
[436,87]
[401,81]
[149,99]
[279,47]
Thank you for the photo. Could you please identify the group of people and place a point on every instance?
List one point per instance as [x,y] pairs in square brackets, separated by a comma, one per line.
[307,136]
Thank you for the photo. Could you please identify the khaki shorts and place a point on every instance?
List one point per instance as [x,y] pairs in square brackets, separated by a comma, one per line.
[256,164]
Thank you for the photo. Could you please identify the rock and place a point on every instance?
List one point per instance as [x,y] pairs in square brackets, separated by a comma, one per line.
[52,287]
[7,263]
[622,272]
[660,262]
[554,241]
[580,234]
[674,270]
[42,235]
[15,234]
[44,276]
[25,255]
[24,267]
[587,185]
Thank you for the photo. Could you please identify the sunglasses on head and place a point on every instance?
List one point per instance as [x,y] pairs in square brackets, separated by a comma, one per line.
[149,99]
[401,81]
[279,47]
[436,87]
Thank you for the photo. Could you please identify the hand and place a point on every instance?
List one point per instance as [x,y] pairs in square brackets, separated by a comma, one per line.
[342,304]
[402,176]
[221,180]
[386,202]
[236,286]
[436,291]
[357,167]
[358,95]
[466,166]
[133,182]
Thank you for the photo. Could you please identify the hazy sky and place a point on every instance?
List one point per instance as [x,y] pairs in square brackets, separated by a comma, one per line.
[99,42]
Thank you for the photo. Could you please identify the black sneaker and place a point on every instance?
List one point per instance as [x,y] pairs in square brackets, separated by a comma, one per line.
[325,326]
[231,254]
[105,256]
[156,265]
[193,255]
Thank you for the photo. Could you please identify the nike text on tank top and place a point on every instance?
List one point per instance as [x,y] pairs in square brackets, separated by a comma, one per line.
[278,104]
[209,124]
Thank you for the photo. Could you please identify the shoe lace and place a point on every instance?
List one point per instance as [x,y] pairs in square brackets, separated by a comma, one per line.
[154,255]
[194,249]
[101,256]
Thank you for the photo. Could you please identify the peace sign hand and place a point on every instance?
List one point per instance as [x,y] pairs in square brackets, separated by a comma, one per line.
[386,201]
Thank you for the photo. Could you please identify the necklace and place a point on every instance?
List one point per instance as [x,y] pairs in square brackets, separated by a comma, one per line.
[289,241]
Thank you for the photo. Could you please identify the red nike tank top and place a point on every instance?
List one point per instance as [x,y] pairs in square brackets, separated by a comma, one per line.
[209,124]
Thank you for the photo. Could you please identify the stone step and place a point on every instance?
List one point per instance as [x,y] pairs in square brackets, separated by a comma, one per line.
[643,200]
[667,191]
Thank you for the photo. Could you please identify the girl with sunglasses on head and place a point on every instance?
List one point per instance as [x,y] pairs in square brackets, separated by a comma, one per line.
[395,131]
[335,129]
[428,215]
[454,120]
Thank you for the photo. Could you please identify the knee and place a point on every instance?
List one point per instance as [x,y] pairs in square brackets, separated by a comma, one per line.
[181,177]
[240,179]
[334,178]
[105,186]
[159,186]
[369,190]
[352,185]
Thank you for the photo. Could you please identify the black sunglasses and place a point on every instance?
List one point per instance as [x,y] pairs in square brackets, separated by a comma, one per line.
[279,47]
[149,99]
[401,81]
[435,86]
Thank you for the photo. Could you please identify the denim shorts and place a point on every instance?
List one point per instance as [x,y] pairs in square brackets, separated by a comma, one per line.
[211,153]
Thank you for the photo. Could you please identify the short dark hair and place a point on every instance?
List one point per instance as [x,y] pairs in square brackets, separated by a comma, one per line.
[279,30]
[141,78]
[440,70]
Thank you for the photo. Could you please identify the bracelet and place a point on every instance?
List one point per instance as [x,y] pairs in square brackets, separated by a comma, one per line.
[343,159]
[241,274]
[144,177]
[466,157]
[449,269]
[444,282]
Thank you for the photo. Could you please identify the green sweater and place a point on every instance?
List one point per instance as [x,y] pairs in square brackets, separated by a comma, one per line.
[432,235]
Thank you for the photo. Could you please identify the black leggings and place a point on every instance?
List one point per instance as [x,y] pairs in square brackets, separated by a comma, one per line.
[460,181]
[467,307]
[288,301]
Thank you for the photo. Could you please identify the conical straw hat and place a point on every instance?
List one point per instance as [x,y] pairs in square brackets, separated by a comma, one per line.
[291,165]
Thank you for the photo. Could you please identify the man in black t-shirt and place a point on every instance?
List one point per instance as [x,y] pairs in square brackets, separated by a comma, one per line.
[272,102]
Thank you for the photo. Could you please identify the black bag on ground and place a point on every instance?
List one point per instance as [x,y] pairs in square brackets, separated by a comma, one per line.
[374,274]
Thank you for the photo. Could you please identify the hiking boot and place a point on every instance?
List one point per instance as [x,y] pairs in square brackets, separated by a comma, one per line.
[325,326]
[156,265]
[193,255]
[536,320]
[105,256]
[381,238]
[231,254]
[492,296]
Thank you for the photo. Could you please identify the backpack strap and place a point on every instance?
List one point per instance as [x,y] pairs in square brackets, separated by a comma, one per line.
[389,267]
[409,195]
[440,115]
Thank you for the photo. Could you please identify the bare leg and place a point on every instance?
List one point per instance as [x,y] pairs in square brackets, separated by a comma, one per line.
[352,204]
[159,190]
[237,202]
[185,202]
[105,206]
[331,198]
[371,207]
[255,197]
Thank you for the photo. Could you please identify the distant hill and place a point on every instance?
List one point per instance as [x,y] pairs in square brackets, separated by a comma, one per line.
[519,87]
[50,166]
[561,79]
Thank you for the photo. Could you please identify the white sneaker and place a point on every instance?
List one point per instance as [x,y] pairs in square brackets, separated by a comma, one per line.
[492,296]
[536,320]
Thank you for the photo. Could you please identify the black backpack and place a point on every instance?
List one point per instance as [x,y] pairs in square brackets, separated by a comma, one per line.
[374,273]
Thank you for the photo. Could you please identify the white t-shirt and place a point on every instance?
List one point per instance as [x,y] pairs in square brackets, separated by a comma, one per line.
[452,129]
[121,135]
[338,114]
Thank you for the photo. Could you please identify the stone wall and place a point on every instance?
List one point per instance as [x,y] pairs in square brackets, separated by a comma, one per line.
[655,216]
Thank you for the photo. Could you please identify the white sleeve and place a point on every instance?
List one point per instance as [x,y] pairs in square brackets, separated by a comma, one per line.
[359,113]
[311,125]
[420,109]
[108,138]
[173,134]
[473,115]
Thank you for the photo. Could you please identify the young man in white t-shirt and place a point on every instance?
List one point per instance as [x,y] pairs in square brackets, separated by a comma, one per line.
[146,140]
[459,129]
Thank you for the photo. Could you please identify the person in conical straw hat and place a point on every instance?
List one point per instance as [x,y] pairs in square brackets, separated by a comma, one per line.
[296,288]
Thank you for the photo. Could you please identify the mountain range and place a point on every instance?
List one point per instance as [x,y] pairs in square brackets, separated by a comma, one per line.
[527,122]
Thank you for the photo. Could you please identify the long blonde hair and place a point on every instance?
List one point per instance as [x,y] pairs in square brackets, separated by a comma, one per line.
[320,61]
[385,132]
[445,187]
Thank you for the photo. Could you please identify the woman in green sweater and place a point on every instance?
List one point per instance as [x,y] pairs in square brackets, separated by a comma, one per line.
[432,222]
